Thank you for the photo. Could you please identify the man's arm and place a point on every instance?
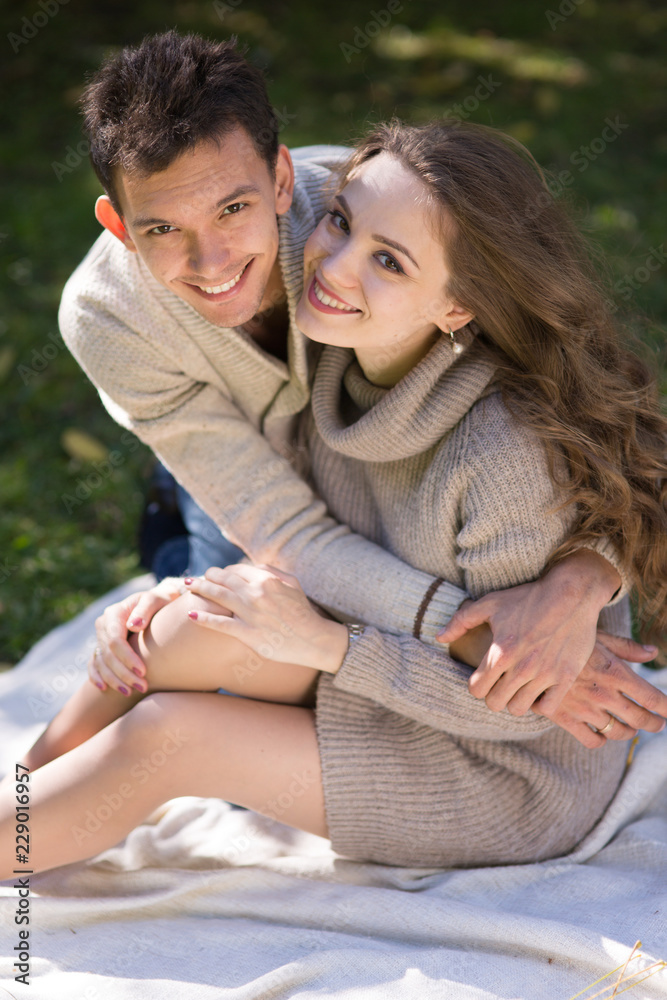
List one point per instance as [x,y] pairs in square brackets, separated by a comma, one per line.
[249,490]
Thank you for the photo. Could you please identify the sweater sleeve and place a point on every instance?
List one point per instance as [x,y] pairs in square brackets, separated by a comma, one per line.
[250,491]
[508,529]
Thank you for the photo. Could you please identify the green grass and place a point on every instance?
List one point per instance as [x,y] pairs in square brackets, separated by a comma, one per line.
[552,88]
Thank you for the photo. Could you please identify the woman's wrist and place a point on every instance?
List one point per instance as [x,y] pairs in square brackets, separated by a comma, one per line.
[335,644]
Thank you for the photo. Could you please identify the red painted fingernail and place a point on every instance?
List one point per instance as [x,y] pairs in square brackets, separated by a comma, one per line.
[138,687]
[187,580]
[123,690]
[137,621]
[193,615]
[135,670]
[99,685]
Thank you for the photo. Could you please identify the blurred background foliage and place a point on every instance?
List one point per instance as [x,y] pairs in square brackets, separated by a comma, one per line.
[551,75]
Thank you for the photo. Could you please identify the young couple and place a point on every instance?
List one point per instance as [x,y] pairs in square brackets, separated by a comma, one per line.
[473,421]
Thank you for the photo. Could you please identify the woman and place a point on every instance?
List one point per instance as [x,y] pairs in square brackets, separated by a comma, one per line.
[474,415]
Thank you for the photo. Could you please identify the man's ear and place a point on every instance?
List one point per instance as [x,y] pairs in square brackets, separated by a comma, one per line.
[108,217]
[284,183]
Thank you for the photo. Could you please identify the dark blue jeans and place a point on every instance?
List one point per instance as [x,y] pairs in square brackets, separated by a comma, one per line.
[203,546]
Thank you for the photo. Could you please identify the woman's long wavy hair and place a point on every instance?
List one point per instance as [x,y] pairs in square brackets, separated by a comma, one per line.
[518,263]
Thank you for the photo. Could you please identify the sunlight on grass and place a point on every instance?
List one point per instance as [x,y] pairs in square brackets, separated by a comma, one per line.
[515,58]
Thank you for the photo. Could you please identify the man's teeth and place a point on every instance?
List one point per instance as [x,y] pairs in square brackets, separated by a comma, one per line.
[222,288]
[326,300]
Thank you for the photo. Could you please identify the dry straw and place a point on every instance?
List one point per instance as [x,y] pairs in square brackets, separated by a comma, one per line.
[634,979]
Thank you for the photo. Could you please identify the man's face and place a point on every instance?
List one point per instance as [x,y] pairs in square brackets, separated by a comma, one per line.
[206,226]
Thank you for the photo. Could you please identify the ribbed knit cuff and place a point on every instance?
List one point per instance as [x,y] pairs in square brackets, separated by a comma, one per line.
[437,611]
[608,551]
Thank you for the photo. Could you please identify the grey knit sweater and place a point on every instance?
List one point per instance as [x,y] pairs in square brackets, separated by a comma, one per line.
[210,403]
[415,770]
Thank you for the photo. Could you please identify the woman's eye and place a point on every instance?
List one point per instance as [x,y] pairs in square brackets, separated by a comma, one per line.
[338,220]
[389,262]
[161,230]
[234,209]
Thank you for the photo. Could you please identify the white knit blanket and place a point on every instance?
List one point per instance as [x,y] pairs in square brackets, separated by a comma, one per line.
[207,901]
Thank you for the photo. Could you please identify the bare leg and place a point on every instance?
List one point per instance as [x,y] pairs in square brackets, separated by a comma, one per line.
[179,656]
[244,751]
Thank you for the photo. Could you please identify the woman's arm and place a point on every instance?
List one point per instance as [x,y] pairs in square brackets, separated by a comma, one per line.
[273,616]
[509,527]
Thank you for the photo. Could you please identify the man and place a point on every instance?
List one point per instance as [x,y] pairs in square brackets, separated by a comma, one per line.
[181,314]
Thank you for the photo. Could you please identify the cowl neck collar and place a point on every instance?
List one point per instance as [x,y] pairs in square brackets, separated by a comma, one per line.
[402,421]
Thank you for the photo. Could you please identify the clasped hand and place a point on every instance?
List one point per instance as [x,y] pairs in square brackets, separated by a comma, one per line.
[268,611]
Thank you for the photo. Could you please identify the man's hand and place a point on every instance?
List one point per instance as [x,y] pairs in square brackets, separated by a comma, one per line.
[543,633]
[606,689]
[114,663]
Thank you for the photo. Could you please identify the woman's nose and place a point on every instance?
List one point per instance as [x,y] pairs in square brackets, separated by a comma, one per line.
[341,266]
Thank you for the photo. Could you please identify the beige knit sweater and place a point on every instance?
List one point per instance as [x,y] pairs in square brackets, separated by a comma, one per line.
[415,770]
[209,402]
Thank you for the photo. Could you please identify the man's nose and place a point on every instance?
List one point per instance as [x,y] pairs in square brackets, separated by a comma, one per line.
[209,257]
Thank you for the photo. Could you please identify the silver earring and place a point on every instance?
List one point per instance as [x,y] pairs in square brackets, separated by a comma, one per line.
[456,347]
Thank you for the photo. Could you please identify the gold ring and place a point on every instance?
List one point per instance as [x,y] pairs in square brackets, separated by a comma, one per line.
[608,728]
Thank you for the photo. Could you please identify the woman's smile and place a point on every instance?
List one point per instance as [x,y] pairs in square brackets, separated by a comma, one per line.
[325,300]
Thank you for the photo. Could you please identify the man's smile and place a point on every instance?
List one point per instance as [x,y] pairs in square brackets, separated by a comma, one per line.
[225,290]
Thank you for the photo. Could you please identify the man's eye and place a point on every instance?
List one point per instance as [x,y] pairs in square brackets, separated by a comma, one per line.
[160,230]
[234,209]
[389,263]
[338,220]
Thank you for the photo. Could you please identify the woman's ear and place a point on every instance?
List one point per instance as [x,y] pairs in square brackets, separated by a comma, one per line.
[454,318]
[108,217]
[284,183]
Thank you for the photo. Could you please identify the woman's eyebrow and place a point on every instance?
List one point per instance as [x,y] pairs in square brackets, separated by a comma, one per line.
[381,239]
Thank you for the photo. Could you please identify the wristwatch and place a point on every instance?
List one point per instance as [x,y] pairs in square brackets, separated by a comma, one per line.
[354,630]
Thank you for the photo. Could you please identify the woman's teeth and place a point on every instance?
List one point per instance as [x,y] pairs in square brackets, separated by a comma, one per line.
[216,289]
[326,300]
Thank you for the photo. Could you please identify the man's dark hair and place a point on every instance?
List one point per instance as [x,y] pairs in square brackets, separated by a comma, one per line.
[148,104]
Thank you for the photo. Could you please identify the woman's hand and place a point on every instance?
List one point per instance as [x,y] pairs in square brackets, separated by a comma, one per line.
[271,614]
[114,663]
[543,633]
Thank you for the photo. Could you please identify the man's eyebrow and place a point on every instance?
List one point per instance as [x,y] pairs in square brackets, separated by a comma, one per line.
[144,221]
[381,239]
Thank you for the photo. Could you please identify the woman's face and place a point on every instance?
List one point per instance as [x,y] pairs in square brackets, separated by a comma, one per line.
[375,277]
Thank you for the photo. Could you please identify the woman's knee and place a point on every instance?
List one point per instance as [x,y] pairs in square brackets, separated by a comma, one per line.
[172,635]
